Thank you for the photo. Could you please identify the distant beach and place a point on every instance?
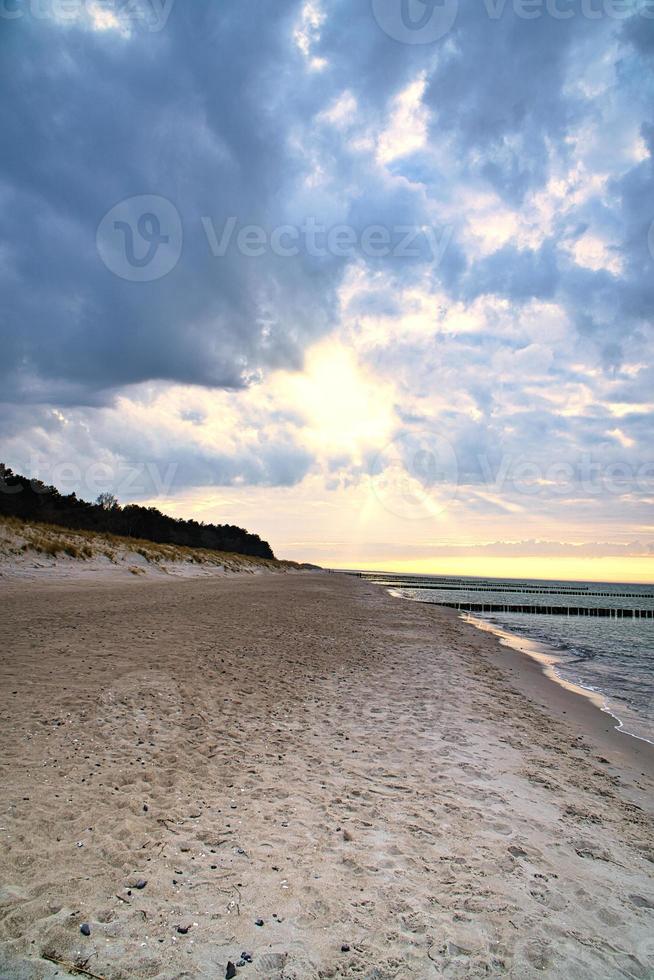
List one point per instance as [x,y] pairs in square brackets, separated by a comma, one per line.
[304,769]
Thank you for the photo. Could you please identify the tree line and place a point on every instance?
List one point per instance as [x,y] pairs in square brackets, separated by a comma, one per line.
[35,501]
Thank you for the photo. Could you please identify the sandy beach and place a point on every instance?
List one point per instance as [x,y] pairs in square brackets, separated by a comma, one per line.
[308,770]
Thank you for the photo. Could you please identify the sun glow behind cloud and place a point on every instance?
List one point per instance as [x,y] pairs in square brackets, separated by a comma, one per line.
[344,408]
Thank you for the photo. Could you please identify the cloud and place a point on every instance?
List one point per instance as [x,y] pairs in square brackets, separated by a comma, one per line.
[166,114]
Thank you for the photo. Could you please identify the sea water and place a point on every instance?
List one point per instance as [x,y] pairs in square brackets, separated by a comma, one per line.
[611,657]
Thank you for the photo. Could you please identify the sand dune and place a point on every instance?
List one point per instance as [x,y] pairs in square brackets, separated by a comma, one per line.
[372,779]
[29,549]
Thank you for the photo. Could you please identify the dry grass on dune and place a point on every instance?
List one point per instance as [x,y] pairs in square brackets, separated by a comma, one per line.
[20,539]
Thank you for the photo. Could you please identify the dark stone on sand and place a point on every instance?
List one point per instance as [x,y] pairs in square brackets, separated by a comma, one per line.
[182,930]
[345,948]
[230,972]
[259,922]
[85,929]
[140,884]
[240,962]
[248,957]
[145,808]
[641,903]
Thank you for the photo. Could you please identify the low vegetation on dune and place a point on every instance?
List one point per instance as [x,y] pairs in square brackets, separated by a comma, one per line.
[32,500]
[19,539]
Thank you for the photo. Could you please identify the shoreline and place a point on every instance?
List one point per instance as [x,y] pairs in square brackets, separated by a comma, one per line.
[546,656]
[576,705]
[529,663]
[302,767]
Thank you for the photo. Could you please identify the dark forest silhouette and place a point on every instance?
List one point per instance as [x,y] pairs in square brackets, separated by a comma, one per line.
[33,500]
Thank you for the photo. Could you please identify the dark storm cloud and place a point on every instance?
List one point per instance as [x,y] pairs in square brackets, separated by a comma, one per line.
[499,93]
[189,113]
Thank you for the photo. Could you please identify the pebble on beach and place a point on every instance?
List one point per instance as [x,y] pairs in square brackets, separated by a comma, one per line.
[230,972]
[85,929]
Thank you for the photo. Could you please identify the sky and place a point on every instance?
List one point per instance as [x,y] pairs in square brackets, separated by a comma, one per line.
[372,278]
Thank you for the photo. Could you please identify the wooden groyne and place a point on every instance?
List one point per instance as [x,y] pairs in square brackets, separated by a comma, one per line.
[464,585]
[504,588]
[605,612]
